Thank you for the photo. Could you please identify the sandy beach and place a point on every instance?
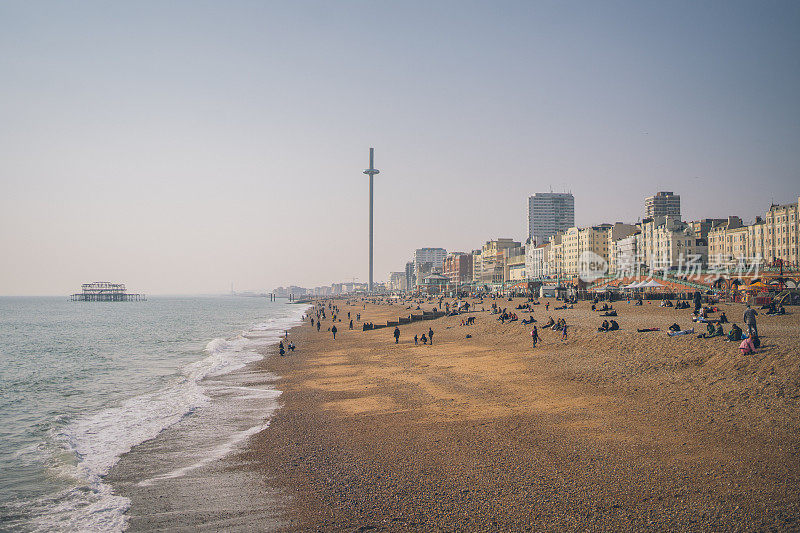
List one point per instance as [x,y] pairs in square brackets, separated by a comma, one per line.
[615,431]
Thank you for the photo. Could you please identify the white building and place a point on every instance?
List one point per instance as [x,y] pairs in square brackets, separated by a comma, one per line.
[549,213]
[537,260]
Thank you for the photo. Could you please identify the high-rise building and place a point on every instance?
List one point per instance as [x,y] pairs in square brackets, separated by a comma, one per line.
[663,204]
[428,261]
[549,213]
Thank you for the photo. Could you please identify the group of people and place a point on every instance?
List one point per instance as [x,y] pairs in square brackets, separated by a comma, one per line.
[424,338]
[283,349]
[608,326]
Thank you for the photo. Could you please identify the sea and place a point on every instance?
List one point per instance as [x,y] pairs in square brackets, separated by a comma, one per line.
[84,384]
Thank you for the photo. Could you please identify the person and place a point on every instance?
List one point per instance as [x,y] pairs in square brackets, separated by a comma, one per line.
[430,334]
[614,326]
[735,334]
[351,324]
[547,306]
[550,322]
[750,321]
[534,336]
[723,319]
[564,332]
[334,330]
[396,335]
[603,326]
[281,350]
[675,327]
[415,340]
[747,347]
[318,324]
[424,339]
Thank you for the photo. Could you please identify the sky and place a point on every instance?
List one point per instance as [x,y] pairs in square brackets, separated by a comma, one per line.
[179,147]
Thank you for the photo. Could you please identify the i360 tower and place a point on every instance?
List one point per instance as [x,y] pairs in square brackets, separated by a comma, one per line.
[371,171]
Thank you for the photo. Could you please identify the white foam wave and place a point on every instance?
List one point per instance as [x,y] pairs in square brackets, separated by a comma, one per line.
[98,441]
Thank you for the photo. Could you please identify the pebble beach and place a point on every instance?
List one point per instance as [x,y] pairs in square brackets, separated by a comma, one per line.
[612,430]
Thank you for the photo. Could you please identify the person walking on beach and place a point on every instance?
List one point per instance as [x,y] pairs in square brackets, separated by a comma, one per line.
[396,335]
[318,324]
[430,334]
[750,321]
[351,324]
[534,336]
[415,340]
[547,306]
[564,333]
[334,330]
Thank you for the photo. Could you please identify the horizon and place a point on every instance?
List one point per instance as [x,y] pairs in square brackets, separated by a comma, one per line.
[178,148]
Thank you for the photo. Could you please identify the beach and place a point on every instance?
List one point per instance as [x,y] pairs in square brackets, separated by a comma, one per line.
[607,430]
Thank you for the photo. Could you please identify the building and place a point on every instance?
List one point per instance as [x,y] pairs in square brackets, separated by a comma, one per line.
[411,280]
[667,243]
[428,261]
[514,264]
[781,234]
[663,204]
[458,268]
[536,261]
[492,261]
[397,281]
[549,213]
[624,259]
[772,240]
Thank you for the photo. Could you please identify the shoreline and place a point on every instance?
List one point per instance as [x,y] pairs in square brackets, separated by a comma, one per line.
[618,430]
[190,475]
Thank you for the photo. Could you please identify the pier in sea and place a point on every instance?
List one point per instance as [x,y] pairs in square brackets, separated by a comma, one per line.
[105,291]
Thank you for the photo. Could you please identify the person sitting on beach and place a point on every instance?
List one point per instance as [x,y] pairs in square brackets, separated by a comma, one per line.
[747,347]
[594,307]
[291,346]
[614,326]
[424,339]
[550,322]
[675,327]
[723,318]
[735,334]
[603,326]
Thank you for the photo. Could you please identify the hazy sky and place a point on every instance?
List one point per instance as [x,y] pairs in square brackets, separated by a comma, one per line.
[182,146]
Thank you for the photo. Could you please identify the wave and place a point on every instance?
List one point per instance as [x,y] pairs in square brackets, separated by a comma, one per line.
[97,442]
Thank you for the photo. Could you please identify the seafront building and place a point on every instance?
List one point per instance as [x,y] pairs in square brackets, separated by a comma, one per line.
[662,204]
[772,240]
[428,261]
[489,266]
[660,244]
[666,243]
[397,281]
[458,268]
[549,213]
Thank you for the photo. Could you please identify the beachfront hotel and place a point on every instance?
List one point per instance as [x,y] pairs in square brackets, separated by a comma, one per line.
[549,213]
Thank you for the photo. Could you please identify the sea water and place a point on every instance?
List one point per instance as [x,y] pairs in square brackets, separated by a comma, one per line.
[82,383]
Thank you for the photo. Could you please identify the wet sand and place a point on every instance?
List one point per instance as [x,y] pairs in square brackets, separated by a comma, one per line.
[619,430]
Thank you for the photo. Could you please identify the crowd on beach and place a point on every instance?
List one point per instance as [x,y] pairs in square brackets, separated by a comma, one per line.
[747,338]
